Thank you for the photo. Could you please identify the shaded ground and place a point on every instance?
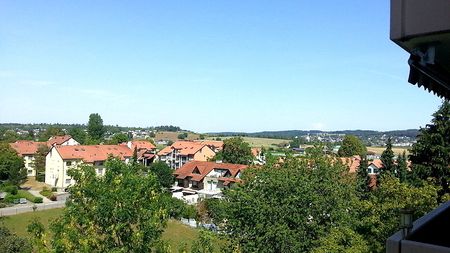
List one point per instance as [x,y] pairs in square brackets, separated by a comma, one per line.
[34,185]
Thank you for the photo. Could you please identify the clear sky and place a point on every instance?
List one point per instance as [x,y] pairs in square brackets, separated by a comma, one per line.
[207,65]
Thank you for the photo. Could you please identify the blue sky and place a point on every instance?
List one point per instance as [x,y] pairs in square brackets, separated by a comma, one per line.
[207,65]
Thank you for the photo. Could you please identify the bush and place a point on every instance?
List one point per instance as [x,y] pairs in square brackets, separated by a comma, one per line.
[2,205]
[10,198]
[54,189]
[38,200]
[46,192]
[11,189]
[53,198]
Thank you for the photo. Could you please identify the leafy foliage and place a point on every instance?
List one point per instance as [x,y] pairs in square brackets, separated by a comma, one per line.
[352,145]
[300,199]
[119,212]
[78,134]
[11,243]
[39,162]
[430,156]
[12,168]
[163,173]
[235,150]
[387,158]
[95,127]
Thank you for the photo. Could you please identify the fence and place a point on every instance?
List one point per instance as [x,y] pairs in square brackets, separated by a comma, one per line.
[7,211]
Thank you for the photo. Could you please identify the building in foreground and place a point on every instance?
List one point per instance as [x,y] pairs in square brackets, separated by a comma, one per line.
[62,158]
[199,179]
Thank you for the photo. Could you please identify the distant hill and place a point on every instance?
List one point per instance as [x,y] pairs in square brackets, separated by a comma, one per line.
[289,134]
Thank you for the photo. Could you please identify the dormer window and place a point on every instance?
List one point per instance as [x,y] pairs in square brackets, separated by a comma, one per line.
[196,171]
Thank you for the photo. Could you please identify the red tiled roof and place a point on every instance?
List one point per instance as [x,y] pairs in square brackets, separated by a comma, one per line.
[204,168]
[378,163]
[165,151]
[58,140]
[352,162]
[26,147]
[184,148]
[256,151]
[93,153]
[210,143]
[142,145]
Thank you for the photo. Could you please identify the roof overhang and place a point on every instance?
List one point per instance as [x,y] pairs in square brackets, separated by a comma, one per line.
[422,28]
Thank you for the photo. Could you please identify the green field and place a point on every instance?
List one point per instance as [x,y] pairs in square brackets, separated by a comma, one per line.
[258,142]
[173,136]
[176,233]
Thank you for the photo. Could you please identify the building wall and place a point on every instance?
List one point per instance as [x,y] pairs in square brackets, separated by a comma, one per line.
[70,142]
[204,154]
[28,162]
[53,168]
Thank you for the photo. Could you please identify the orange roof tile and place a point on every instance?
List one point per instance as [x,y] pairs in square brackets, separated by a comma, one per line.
[211,143]
[378,163]
[58,140]
[165,151]
[204,168]
[352,162]
[26,147]
[91,153]
[142,145]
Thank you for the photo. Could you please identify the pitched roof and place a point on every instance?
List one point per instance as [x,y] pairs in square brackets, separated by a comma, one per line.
[256,151]
[58,140]
[184,148]
[92,153]
[204,168]
[352,162]
[211,143]
[26,147]
[378,163]
[142,145]
[165,151]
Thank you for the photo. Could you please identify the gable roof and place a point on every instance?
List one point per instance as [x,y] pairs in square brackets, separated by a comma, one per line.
[26,147]
[352,162]
[184,148]
[92,153]
[211,143]
[139,145]
[377,163]
[58,140]
[204,168]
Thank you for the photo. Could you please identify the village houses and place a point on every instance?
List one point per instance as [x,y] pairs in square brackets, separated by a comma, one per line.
[28,149]
[181,152]
[200,179]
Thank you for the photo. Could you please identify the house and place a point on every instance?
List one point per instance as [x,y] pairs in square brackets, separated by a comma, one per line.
[27,150]
[64,140]
[374,167]
[181,152]
[62,158]
[216,146]
[146,151]
[200,179]
[259,157]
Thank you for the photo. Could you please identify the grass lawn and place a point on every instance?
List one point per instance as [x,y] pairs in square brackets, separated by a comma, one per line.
[176,233]
[173,136]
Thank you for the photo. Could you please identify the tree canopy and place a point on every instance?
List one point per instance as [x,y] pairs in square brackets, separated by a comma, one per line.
[163,173]
[352,145]
[95,127]
[118,212]
[387,158]
[430,155]
[12,168]
[235,150]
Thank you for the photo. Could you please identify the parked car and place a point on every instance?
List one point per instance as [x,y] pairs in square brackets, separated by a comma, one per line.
[22,201]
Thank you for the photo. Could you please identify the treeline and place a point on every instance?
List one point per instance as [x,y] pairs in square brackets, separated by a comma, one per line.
[289,134]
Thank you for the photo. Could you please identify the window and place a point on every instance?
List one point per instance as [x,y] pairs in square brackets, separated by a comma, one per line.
[68,163]
[30,172]
[100,171]
[68,180]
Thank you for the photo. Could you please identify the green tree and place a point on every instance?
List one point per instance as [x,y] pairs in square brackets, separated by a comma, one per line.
[235,150]
[378,216]
[352,145]
[118,212]
[51,131]
[297,141]
[95,127]
[182,136]
[163,173]
[387,158]
[11,243]
[118,138]
[12,168]
[10,136]
[303,198]
[204,243]
[430,155]
[39,162]
[78,134]
[402,168]
[362,179]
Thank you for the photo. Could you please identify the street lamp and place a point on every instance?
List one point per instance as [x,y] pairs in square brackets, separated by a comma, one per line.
[406,221]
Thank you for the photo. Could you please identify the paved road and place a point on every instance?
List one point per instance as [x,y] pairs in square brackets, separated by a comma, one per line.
[38,194]
[8,211]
